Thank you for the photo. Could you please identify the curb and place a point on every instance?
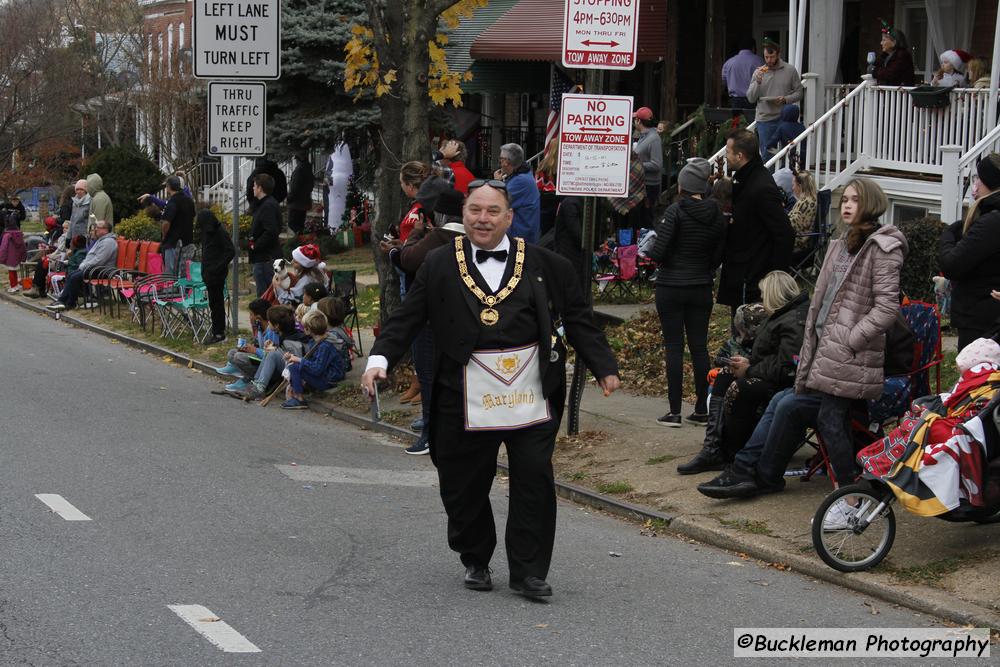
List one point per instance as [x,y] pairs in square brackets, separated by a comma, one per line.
[924,600]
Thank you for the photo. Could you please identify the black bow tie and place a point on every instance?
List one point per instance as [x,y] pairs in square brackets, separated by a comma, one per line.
[483,255]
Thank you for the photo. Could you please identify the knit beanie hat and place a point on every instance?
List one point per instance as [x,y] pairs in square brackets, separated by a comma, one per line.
[979,351]
[308,256]
[957,58]
[694,176]
[988,171]
[747,320]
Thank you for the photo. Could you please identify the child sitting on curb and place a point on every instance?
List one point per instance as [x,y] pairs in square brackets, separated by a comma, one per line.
[282,321]
[335,309]
[321,368]
[243,361]
[312,294]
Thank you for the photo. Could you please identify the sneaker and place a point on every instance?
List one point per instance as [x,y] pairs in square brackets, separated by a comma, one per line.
[671,420]
[417,425]
[840,517]
[215,339]
[255,392]
[14,290]
[699,419]
[294,404]
[730,484]
[239,385]
[229,369]
[56,307]
[90,305]
[421,446]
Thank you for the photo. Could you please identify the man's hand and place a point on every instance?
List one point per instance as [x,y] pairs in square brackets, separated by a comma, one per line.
[995,294]
[609,384]
[738,366]
[450,149]
[498,174]
[758,74]
[369,379]
[781,100]
[386,246]
[143,198]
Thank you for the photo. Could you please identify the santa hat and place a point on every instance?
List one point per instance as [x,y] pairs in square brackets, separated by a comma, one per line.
[308,256]
[957,57]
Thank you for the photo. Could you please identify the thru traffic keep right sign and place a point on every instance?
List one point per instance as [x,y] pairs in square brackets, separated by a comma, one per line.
[600,34]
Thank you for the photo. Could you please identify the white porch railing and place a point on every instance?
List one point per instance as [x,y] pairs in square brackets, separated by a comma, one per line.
[957,173]
[221,192]
[879,127]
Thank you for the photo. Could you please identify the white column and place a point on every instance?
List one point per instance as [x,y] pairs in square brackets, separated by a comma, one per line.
[811,98]
[792,22]
[994,76]
[800,34]
[951,184]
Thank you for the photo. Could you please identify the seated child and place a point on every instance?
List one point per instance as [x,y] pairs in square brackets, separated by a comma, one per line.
[243,361]
[321,368]
[300,312]
[334,308]
[282,321]
[78,253]
[748,318]
[313,293]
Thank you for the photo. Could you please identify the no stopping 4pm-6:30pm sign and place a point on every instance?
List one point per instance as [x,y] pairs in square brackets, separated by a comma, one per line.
[595,145]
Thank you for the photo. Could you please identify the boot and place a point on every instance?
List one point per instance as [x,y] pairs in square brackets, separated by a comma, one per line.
[33,293]
[711,456]
[411,393]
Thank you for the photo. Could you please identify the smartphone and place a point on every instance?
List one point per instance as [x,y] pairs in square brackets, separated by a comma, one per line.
[376,408]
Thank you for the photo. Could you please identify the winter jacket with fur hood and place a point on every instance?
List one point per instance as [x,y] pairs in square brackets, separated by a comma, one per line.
[848,359]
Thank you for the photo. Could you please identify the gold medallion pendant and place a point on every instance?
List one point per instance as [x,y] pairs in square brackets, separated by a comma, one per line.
[490,315]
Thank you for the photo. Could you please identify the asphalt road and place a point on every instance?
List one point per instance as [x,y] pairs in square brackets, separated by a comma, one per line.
[196,499]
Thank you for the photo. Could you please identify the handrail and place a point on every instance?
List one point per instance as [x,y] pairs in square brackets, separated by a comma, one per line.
[981,145]
[722,151]
[819,121]
[683,126]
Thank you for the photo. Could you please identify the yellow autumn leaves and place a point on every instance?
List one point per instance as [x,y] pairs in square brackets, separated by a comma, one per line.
[363,70]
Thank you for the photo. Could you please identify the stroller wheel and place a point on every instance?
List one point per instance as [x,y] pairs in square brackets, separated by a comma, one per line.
[854,527]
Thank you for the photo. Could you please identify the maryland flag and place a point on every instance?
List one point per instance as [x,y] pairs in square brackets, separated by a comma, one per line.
[934,459]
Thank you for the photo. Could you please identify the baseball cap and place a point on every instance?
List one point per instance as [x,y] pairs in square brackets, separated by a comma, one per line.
[643,113]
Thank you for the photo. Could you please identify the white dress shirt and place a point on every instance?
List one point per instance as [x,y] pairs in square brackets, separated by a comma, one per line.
[491,270]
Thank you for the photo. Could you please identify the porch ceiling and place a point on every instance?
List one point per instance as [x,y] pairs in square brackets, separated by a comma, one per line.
[533,30]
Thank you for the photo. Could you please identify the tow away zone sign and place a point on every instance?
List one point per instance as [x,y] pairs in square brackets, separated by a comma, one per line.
[600,34]
[595,145]
[236,118]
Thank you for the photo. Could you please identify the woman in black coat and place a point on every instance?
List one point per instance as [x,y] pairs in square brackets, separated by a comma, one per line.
[690,239]
[217,252]
[969,256]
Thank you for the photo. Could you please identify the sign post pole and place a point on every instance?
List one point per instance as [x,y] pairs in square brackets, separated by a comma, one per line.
[234,292]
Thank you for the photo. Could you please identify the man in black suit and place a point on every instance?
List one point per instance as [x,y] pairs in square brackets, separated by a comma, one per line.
[499,310]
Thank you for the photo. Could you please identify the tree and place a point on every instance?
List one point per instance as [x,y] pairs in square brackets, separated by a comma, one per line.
[38,78]
[308,106]
[399,55]
[127,172]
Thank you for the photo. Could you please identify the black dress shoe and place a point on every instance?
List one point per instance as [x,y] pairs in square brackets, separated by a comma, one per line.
[215,338]
[478,578]
[730,484]
[531,587]
[709,458]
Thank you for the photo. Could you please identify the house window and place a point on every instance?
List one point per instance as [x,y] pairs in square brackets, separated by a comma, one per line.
[905,213]
[911,16]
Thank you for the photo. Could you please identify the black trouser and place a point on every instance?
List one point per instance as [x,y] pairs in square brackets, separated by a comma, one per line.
[834,425]
[466,464]
[41,273]
[685,310]
[217,304]
[740,102]
[647,209]
[422,350]
[296,220]
[743,413]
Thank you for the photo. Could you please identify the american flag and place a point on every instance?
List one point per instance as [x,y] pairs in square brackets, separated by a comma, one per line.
[559,83]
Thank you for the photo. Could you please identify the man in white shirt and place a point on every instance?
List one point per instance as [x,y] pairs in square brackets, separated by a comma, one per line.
[500,310]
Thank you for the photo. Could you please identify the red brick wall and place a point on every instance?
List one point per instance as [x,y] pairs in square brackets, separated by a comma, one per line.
[159,18]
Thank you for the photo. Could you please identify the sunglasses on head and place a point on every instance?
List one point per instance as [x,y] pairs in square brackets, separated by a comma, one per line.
[492,182]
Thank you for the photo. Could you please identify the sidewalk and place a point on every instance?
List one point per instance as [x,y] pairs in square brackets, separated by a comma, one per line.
[943,569]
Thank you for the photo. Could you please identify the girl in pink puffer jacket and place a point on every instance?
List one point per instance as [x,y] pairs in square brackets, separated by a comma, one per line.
[855,302]
[12,251]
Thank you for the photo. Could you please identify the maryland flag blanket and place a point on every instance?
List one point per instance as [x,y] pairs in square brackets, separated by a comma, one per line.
[936,458]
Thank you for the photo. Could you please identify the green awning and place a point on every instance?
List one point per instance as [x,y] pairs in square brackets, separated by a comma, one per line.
[508,77]
[461,38]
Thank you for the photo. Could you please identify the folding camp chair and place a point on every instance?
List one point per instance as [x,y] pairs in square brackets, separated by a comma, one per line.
[806,264]
[344,284]
[623,277]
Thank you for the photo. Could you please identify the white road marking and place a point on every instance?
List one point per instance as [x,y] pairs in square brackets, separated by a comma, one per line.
[61,506]
[360,475]
[213,628]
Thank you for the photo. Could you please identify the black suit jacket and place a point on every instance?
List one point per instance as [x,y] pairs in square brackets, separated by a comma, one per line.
[439,296]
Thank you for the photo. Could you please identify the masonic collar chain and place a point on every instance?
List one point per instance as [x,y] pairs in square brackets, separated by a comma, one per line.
[489,315]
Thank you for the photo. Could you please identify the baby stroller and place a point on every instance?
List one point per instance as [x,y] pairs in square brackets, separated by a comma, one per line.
[955,480]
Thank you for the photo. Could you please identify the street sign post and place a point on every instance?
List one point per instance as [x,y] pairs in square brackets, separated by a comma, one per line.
[595,145]
[237,39]
[600,35]
[236,118]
